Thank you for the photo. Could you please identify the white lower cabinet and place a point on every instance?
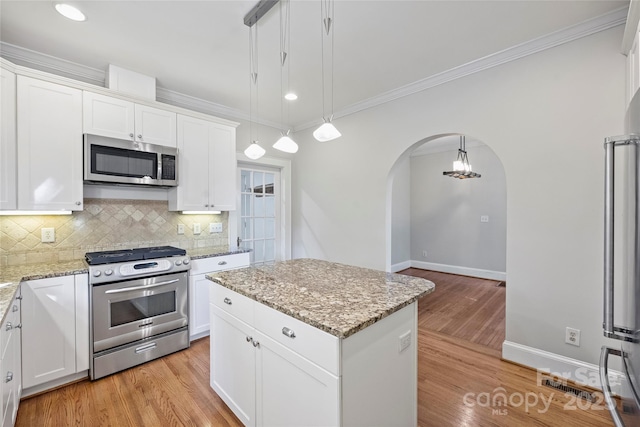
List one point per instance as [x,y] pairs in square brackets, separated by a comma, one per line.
[10,365]
[55,336]
[274,370]
[199,288]
[265,383]
[292,391]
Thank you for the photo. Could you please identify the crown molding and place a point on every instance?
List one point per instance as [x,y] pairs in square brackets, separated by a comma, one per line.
[178,99]
[48,63]
[557,38]
[43,62]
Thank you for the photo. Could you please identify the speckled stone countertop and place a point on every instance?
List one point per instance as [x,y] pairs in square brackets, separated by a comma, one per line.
[10,277]
[336,298]
[213,251]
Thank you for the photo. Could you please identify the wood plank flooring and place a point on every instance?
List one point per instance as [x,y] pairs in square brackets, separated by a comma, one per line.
[460,375]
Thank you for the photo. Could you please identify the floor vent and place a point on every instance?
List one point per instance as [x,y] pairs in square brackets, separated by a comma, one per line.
[583,394]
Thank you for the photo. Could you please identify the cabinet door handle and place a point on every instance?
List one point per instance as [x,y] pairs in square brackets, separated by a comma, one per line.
[18,326]
[227,301]
[256,343]
[15,308]
[9,326]
[249,339]
[9,377]
[146,347]
[288,332]
[222,263]
[19,297]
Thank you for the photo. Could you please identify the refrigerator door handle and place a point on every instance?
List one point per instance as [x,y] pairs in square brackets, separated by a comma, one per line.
[606,387]
[610,330]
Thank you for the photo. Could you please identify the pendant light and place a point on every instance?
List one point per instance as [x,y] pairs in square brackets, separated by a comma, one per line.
[461,166]
[254,151]
[327,131]
[285,143]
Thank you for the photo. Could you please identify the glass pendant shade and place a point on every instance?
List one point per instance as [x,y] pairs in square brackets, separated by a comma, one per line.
[254,151]
[326,132]
[286,144]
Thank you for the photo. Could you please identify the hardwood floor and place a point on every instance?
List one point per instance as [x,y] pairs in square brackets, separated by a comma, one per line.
[460,378]
[463,307]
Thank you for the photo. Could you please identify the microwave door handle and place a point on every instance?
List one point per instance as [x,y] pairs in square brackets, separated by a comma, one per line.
[134,288]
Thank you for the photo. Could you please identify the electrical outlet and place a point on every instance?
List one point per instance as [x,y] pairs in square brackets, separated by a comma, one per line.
[196,228]
[215,227]
[484,218]
[404,341]
[48,235]
[180,228]
[424,254]
[572,336]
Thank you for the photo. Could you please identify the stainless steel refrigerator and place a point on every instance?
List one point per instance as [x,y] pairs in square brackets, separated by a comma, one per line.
[622,269]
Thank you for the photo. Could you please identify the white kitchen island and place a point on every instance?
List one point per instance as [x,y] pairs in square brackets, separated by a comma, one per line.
[314,343]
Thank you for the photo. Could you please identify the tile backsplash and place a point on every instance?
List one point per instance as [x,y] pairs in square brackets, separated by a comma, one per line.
[104,224]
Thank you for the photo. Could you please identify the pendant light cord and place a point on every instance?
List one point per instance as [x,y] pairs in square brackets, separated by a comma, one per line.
[253,76]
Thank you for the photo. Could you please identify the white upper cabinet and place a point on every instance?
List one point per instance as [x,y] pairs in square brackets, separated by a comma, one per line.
[117,118]
[49,126]
[8,185]
[206,167]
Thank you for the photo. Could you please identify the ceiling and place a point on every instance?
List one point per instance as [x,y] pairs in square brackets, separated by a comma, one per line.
[201,48]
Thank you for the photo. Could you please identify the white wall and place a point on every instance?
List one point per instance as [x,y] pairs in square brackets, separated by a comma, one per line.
[445,212]
[401,217]
[545,117]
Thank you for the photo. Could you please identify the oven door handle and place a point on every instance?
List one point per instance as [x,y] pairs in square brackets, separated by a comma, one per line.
[135,288]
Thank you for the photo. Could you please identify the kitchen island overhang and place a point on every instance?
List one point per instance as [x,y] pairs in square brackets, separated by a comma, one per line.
[332,344]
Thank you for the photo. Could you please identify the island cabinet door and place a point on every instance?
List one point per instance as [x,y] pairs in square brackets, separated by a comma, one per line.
[233,364]
[291,390]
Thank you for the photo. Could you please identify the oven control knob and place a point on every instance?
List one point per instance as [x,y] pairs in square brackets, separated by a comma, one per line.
[108,272]
[178,262]
[96,273]
[186,261]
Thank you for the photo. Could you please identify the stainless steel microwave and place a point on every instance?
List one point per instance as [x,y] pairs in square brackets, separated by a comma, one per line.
[118,161]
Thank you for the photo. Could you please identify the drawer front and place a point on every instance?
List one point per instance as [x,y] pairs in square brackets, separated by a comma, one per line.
[11,321]
[311,343]
[232,302]
[219,263]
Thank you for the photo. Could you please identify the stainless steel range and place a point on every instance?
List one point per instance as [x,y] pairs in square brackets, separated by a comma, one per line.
[139,306]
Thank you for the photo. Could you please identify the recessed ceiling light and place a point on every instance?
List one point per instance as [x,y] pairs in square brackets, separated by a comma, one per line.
[291,96]
[70,12]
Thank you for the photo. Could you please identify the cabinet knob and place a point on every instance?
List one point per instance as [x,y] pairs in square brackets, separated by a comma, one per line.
[256,343]
[222,263]
[249,339]
[19,297]
[78,203]
[206,206]
[227,301]
[288,332]
[15,308]
[130,135]
[9,326]
[9,377]
[18,326]
[140,137]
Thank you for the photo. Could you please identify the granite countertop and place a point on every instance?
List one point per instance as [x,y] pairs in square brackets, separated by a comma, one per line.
[213,251]
[10,277]
[336,298]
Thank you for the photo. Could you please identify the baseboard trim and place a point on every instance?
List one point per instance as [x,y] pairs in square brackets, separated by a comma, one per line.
[559,366]
[463,271]
[400,266]
[54,384]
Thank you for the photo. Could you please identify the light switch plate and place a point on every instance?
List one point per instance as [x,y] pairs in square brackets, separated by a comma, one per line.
[196,228]
[215,227]
[180,228]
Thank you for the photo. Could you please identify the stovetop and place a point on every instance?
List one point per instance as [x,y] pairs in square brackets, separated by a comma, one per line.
[124,255]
